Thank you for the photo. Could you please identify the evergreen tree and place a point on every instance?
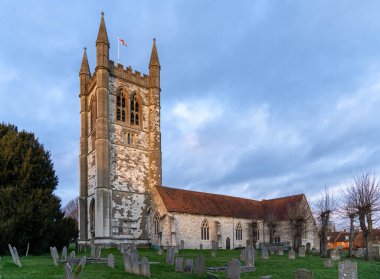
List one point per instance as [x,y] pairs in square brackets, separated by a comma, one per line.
[29,210]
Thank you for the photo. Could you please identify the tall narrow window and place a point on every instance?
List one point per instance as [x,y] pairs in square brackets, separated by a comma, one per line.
[205,230]
[135,121]
[239,232]
[120,107]
[93,115]
[156,222]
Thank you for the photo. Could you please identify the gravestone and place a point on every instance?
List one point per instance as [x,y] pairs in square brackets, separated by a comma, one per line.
[159,252]
[213,253]
[80,267]
[334,255]
[264,253]
[250,258]
[27,250]
[347,270]
[135,263]
[199,265]
[71,258]
[280,251]
[68,271]
[12,253]
[243,255]
[303,274]
[214,245]
[127,263]
[111,261]
[55,260]
[98,252]
[301,252]
[178,264]
[266,277]
[188,266]
[248,242]
[170,256]
[308,245]
[201,246]
[144,267]
[17,258]
[92,253]
[359,253]
[64,253]
[233,269]
[292,254]
[182,244]
[328,263]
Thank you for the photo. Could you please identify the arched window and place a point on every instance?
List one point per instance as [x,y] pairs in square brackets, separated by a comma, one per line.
[156,222]
[135,110]
[239,232]
[120,107]
[205,230]
[93,114]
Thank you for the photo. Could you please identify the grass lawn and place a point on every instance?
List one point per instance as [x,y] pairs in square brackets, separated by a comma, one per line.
[42,267]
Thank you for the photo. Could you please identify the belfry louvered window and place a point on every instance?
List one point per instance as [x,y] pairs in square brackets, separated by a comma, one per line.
[120,107]
[135,111]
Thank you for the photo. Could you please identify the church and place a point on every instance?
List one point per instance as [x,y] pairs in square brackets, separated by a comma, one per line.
[121,196]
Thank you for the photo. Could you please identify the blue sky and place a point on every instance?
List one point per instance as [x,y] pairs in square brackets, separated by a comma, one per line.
[259,99]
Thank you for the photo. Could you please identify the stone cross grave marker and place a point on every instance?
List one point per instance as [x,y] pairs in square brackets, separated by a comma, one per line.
[188,266]
[199,265]
[135,263]
[144,267]
[178,264]
[303,274]
[233,269]
[348,270]
[250,258]
[127,263]
[328,263]
[170,256]
[301,251]
[64,253]
[111,261]
[71,259]
[182,244]
[292,254]
[264,253]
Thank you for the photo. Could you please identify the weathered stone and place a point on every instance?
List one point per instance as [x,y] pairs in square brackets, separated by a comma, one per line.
[303,274]
[92,253]
[233,269]
[170,256]
[250,256]
[264,254]
[135,263]
[80,267]
[199,265]
[127,263]
[334,255]
[17,257]
[188,266]
[214,245]
[71,258]
[301,251]
[182,244]
[144,267]
[328,263]
[243,255]
[280,251]
[347,270]
[111,261]
[291,254]
[68,271]
[64,253]
[27,250]
[308,245]
[12,253]
[55,260]
[98,252]
[359,253]
[178,264]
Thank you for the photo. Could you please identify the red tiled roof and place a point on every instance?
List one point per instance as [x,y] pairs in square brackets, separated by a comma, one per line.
[185,201]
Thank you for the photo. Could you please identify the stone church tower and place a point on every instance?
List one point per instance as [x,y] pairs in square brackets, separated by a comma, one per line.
[120,147]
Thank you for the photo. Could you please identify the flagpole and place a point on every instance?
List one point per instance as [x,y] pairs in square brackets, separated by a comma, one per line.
[118,50]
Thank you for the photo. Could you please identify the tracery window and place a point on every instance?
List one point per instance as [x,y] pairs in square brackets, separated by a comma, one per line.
[239,232]
[135,111]
[120,107]
[93,114]
[205,230]
[156,221]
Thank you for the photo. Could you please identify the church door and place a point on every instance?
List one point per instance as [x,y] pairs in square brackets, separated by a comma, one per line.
[228,245]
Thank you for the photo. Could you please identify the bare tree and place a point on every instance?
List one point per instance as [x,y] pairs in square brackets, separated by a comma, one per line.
[350,212]
[271,221]
[363,195]
[298,215]
[324,207]
[71,210]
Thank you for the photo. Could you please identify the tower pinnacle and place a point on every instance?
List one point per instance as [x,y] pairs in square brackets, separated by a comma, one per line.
[102,34]
[84,68]
[154,61]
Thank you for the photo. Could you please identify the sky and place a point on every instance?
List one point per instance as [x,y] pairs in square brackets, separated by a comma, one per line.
[260,99]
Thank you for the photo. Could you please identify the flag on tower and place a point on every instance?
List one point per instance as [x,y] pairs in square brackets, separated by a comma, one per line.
[123,42]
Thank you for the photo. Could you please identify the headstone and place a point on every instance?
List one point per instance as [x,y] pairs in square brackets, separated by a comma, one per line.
[249,256]
[170,256]
[27,250]
[348,270]
[248,242]
[334,255]
[199,265]
[201,246]
[303,274]
[64,253]
[182,244]
[71,258]
[280,251]
[243,255]
[292,254]
[17,258]
[80,267]
[308,245]
[214,245]
[301,252]
[188,266]
[98,252]
[233,269]
[111,261]
[328,263]
[159,252]
[359,253]
[92,253]
[55,260]
[144,267]
[264,253]
[213,253]
[68,271]
[127,263]
[135,263]
[12,253]
[178,264]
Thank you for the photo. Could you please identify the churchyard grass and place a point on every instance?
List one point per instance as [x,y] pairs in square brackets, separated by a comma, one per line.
[42,267]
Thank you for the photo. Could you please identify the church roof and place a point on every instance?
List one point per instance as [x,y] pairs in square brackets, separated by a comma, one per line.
[185,201]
